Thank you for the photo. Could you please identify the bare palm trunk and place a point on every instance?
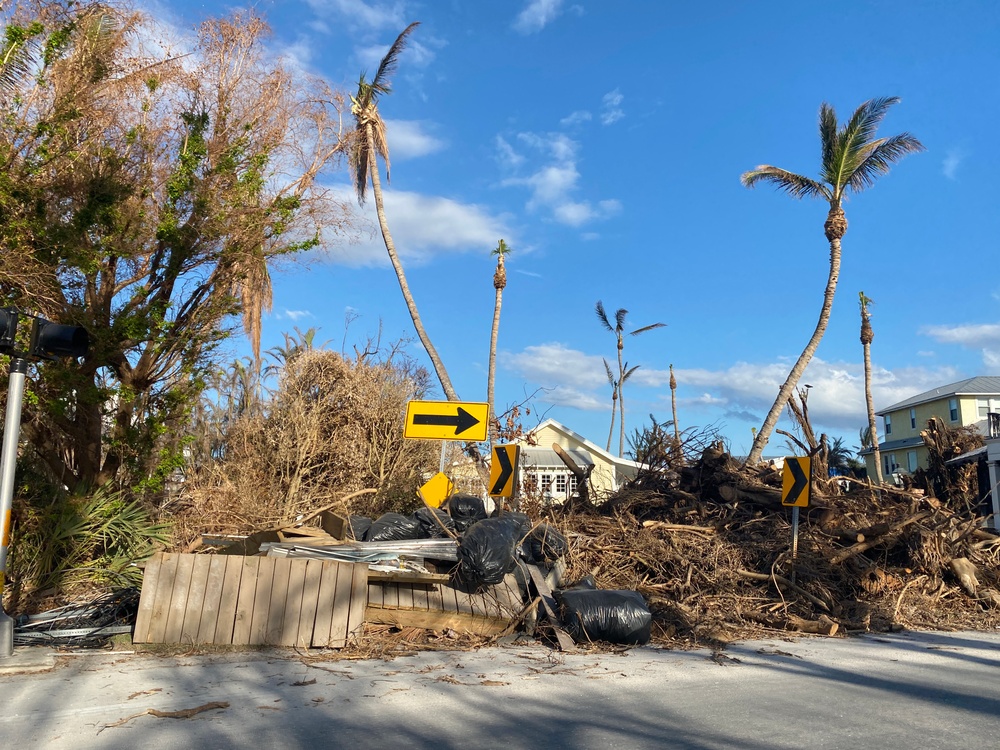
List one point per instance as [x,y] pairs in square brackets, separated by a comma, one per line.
[867,336]
[411,305]
[836,226]
[621,396]
[499,282]
[614,410]
[673,405]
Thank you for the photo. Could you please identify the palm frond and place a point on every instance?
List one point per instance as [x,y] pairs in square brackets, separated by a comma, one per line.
[620,314]
[852,140]
[607,369]
[827,132]
[629,371]
[880,157]
[380,83]
[794,184]
[637,331]
[603,316]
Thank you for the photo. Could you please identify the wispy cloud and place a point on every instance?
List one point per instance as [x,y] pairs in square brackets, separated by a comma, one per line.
[295,315]
[409,139]
[554,184]
[982,336]
[611,107]
[361,14]
[952,159]
[537,15]
[575,118]
[423,226]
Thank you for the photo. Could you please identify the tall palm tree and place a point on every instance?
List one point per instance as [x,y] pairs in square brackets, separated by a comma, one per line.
[499,284]
[867,336]
[369,144]
[852,159]
[673,406]
[618,329]
[613,382]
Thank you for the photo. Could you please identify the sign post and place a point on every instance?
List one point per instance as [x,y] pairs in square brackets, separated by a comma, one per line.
[796,484]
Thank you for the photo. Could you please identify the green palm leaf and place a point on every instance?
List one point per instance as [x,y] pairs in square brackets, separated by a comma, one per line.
[794,184]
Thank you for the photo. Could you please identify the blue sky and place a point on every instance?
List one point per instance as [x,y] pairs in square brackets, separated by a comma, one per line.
[604,142]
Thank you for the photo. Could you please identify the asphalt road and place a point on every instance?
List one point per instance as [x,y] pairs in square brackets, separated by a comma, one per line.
[908,690]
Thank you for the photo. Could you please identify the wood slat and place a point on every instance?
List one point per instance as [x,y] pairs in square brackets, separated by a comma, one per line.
[293,604]
[147,598]
[405,593]
[420,597]
[358,603]
[209,616]
[178,599]
[246,599]
[435,599]
[196,599]
[261,602]
[549,605]
[161,598]
[310,603]
[279,593]
[225,626]
[342,606]
[325,605]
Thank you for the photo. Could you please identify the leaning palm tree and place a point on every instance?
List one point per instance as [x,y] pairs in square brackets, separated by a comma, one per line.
[618,329]
[499,284]
[867,336]
[369,144]
[852,159]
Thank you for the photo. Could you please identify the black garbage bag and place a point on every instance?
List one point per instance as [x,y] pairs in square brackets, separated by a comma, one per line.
[544,544]
[433,522]
[522,519]
[605,615]
[487,551]
[391,527]
[466,510]
[359,527]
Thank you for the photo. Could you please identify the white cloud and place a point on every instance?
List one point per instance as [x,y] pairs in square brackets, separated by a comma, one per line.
[553,364]
[408,139]
[553,185]
[416,55]
[611,111]
[953,158]
[537,15]
[575,118]
[982,336]
[372,15]
[295,314]
[422,227]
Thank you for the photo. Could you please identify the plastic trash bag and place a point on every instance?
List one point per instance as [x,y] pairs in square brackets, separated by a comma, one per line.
[391,527]
[544,544]
[487,551]
[433,523]
[605,615]
[466,510]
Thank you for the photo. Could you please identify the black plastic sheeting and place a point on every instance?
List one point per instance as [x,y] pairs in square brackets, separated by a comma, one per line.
[608,615]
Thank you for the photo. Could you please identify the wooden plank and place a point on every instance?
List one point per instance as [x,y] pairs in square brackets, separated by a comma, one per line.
[390,595]
[293,603]
[459,601]
[549,605]
[279,594]
[420,597]
[147,598]
[246,600]
[436,620]
[405,593]
[358,602]
[342,605]
[196,598]
[161,598]
[407,576]
[376,592]
[435,598]
[209,615]
[324,604]
[310,603]
[178,599]
[226,619]
[261,601]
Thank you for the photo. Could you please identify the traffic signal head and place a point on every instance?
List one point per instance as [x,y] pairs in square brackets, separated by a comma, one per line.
[50,340]
[8,329]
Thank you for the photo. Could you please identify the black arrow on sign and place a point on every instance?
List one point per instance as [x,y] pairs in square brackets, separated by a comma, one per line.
[461,421]
[505,471]
[799,482]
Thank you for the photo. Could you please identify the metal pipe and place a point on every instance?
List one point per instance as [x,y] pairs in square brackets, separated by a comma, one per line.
[8,463]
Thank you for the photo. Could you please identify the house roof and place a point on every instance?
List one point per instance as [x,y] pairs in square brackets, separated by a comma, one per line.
[593,448]
[543,457]
[895,445]
[981,385]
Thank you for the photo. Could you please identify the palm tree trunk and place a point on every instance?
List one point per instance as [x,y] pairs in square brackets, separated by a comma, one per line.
[673,406]
[871,411]
[834,233]
[614,409]
[494,424]
[411,305]
[621,421]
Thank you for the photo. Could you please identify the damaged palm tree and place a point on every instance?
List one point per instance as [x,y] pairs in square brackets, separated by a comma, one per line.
[852,159]
[867,335]
[369,144]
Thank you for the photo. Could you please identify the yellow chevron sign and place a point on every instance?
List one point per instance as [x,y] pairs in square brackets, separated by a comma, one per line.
[795,480]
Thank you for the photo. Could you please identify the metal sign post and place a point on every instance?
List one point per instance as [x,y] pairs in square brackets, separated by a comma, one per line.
[8,462]
[796,483]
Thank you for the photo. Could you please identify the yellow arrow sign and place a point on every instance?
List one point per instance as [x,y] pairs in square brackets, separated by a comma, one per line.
[436,490]
[503,470]
[795,481]
[446,420]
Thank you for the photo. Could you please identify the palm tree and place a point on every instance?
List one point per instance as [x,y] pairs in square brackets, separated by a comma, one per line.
[369,144]
[852,159]
[867,335]
[619,330]
[613,382]
[673,406]
[499,284]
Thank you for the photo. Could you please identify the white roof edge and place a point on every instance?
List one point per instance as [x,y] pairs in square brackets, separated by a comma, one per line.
[590,446]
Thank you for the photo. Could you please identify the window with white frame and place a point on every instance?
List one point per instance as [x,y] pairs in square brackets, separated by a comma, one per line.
[913,419]
[561,483]
[888,424]
[983,406]
[953,409]
[890,462]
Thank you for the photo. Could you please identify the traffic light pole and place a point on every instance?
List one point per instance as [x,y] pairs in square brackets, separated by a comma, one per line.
[8,462]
